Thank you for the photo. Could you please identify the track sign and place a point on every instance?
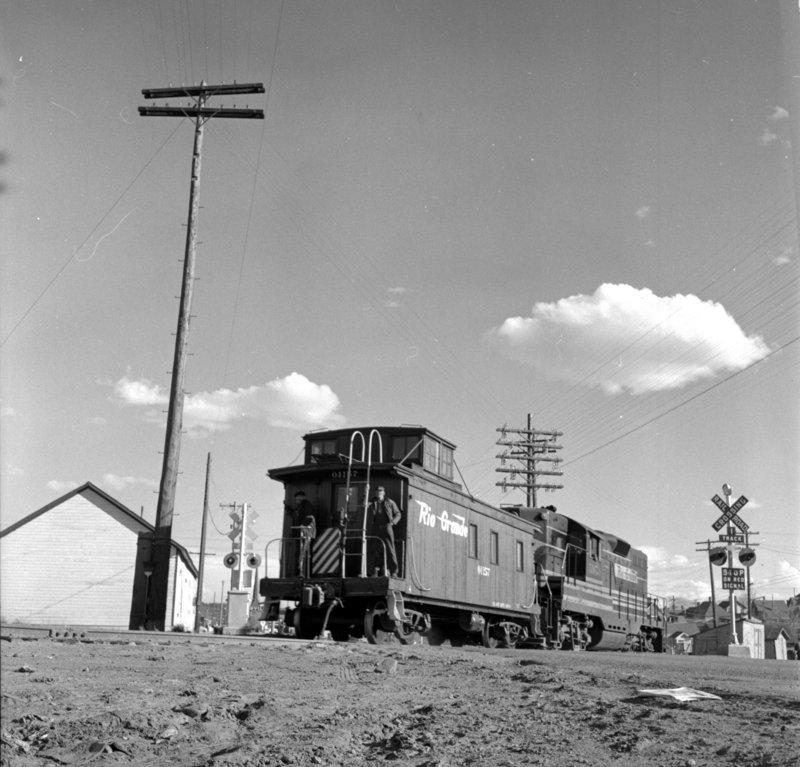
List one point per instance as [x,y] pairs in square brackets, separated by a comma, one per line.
[747,557]
[718,556]
[735,538]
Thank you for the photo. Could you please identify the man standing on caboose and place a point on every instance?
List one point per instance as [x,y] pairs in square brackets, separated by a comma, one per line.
[382,516]
[301,529]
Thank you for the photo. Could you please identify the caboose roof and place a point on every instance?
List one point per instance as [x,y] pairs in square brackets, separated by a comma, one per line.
[389,431]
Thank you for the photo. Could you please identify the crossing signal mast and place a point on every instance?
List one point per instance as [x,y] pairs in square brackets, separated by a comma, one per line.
[200,112]
[241,560]
[524,451]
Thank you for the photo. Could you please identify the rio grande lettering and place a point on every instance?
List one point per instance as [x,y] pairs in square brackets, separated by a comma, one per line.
[454,526]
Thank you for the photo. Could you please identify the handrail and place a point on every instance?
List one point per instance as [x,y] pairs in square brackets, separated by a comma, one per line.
[373,433]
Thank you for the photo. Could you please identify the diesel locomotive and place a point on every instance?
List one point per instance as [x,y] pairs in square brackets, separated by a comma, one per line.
[461,569]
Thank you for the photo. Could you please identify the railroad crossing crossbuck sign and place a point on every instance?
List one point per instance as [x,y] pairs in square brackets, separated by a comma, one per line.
[730,514]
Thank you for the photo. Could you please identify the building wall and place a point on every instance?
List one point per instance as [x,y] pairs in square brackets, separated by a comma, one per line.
[182,593]
[71,565]
[75,564]
[716,641]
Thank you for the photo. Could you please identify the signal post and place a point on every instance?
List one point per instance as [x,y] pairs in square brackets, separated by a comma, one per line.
[733,578]
[242,562]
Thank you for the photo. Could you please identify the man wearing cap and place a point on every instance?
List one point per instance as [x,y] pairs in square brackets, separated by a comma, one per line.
[382,516]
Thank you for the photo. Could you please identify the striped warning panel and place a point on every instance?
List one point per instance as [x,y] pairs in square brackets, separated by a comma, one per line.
[325,557]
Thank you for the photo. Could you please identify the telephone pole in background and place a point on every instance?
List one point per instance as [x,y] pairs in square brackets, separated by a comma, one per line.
[201,567]
[525,449]
[200,113]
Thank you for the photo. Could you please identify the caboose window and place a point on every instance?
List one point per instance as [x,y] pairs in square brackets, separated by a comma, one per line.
[447,462]
[473,541]
[494,548]
[520,562]
[438,458]
[432,455]
[408,448]
[323,447]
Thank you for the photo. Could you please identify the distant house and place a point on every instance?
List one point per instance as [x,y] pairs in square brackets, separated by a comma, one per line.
[776,643]
[78,562]
[705,612]
[680,638]
[718,641]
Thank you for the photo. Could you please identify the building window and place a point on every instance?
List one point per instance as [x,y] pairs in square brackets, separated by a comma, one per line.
[473,541]
[494,548]
[520,561]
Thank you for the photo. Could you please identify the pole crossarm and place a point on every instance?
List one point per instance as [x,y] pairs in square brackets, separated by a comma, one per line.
[202,112]
[191,91]
[539,444]
[505,483]
[531,472]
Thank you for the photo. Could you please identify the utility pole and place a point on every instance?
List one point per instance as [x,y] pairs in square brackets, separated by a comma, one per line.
[200,114]
[201,568]
[707,549]
[526,448]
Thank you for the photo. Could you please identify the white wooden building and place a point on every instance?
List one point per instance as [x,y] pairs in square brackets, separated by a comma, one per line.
[78,562]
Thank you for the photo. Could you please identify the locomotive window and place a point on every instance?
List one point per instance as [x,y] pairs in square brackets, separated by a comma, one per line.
[473,541]
[520,557]
[494,548]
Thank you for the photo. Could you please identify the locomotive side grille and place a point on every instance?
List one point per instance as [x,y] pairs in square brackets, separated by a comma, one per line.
[325,557]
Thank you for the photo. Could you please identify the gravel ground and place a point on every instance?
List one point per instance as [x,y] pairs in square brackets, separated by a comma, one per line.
[172,700]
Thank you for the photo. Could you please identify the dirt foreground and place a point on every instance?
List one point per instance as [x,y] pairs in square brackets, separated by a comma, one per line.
[169,700]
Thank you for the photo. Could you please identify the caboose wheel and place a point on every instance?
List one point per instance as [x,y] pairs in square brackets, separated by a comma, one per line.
[489,634]
[498,633]
[306,626]
[379,628]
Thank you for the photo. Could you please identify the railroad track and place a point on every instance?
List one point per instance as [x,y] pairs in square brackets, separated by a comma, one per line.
[120,636]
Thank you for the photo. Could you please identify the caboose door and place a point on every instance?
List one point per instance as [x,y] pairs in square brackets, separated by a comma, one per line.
[353,507]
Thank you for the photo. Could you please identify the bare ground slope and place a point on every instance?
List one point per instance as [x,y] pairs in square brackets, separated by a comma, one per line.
[172,701]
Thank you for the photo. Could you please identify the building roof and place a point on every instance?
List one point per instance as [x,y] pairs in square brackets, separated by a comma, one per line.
[771,633]
[89,487]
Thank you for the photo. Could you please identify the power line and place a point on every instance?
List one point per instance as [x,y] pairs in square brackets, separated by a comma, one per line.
[88,236]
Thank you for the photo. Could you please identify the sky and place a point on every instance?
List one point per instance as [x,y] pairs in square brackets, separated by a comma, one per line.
[455,213]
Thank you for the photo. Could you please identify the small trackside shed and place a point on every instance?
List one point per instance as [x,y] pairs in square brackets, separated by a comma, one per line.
[76,562]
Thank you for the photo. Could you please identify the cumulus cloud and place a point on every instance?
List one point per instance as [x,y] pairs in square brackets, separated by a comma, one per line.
[778,113]
[675,574]
[626,339]
[292,402]
[61,486]
[117,483]
[767,137]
